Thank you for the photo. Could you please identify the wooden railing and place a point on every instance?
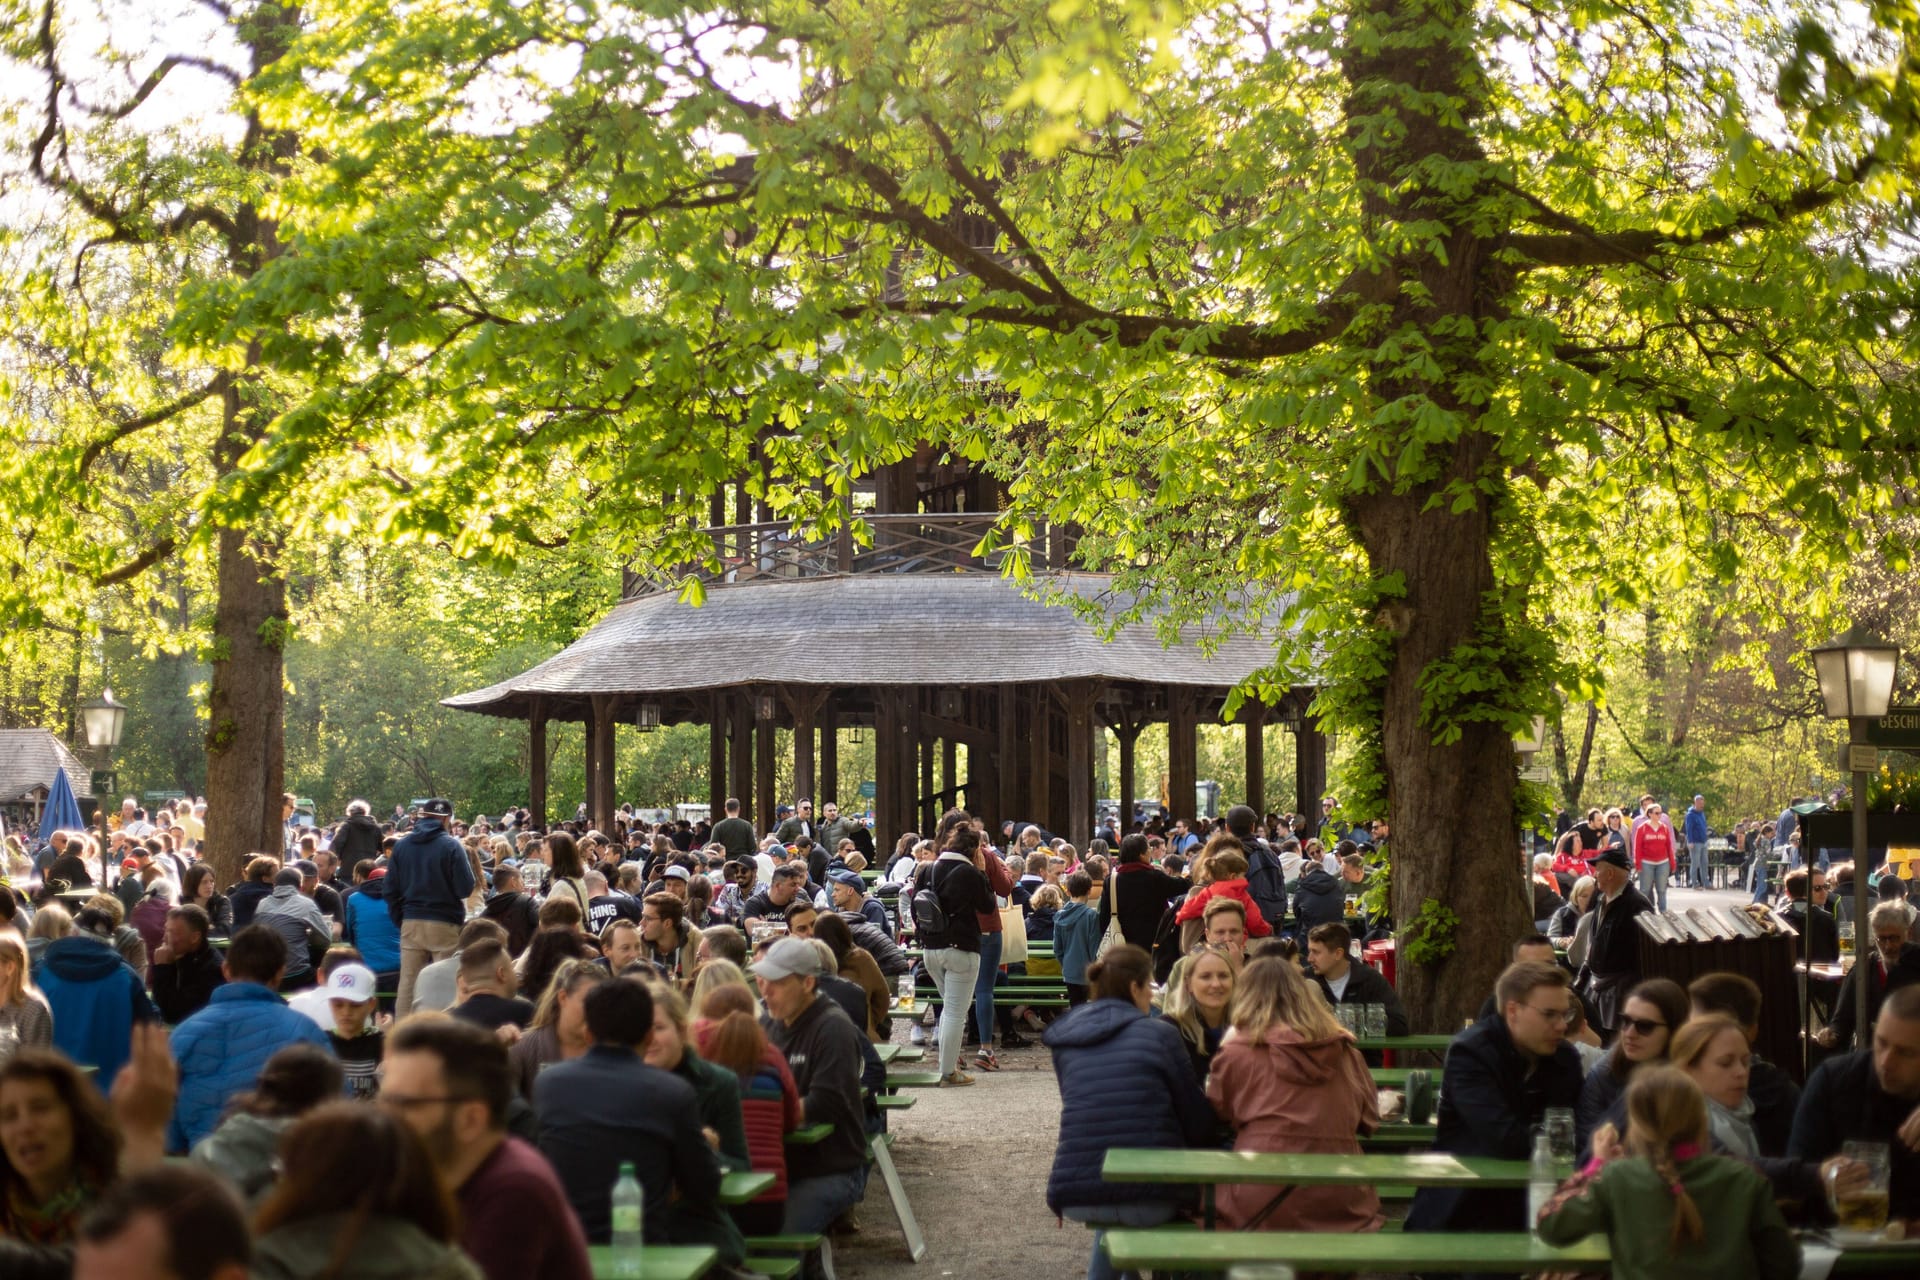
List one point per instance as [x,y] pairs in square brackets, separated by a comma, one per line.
[901,544]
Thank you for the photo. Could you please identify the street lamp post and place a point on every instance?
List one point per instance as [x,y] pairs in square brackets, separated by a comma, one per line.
[1856,684]
[102,720]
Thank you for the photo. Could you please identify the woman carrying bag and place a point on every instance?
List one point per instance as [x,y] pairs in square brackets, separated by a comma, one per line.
[1137,896]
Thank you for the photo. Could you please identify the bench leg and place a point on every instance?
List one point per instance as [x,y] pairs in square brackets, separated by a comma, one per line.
[909,1226]
[826,1259]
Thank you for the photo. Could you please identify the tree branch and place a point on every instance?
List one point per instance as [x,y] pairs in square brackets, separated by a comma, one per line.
[129,425]
[1580,245]
[153,80]
[139,564]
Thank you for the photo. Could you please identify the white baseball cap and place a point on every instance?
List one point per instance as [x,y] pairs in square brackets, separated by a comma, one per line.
[353,982]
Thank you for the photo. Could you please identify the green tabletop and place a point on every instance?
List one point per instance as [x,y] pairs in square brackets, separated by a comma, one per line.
[1402,1135]
[657,1261]
[887,1052]
[739,1188]
[912,1079]
[1421,1252]
[809,1135]
[1391,1077]
[1887,1256]
[1411,1169]
[1437,1044]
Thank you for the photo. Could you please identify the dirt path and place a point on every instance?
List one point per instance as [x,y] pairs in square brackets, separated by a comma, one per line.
[975,1164]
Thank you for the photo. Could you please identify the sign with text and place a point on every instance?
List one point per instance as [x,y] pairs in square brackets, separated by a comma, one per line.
[1899,729]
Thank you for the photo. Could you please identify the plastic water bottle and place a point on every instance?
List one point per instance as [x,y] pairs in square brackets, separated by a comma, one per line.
[1542,1178]
[629,1203]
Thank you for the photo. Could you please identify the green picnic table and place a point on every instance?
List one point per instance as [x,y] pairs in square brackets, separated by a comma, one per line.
[809,1135]
[1402,1135]
[887,1052]
[657,1261]
[1430,1043]
[1286,1170]
[912,1079]
[742,1187]
[1422,1252]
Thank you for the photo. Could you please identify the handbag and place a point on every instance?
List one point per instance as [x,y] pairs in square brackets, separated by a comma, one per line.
[1013,934]
[1114,936]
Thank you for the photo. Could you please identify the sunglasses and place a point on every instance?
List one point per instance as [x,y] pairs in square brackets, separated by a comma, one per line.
[1645,1026]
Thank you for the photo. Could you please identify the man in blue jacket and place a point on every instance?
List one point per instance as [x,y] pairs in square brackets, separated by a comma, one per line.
[428,880]
[222,1048]
[94,996]
[1695,831]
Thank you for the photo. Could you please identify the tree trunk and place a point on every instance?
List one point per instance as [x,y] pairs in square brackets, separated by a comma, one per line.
[245,744]
[1453,834]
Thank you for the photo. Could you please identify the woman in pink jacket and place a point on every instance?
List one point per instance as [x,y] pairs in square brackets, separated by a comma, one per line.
[1289,1079]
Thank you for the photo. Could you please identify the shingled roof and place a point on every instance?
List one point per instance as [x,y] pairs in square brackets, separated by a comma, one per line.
[28,761]
[957,629]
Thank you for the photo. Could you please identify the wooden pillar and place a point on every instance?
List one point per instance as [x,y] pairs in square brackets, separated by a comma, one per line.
[906,736]
[537,764]
[740,708]
[950,769]
[1183,765]
[1129,734]
[887,784]
[1039,737]
[716,756]
[765,738]
[1008,764]
[930,809]
[1253,715]
[1080,730]
[829,755]
[590,741]
[600,787]
[1309,766]
[804,706]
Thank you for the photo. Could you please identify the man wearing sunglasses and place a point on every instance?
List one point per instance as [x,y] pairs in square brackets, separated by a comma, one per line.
[1502,1075]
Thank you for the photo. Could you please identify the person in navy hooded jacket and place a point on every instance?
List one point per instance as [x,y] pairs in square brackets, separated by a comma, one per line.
[1124,1082]
[428,882]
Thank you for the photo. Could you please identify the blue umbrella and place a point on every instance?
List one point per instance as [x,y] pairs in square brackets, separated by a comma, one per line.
[63,811]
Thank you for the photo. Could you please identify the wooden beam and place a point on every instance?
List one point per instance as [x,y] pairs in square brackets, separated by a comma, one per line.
[590,741]
[1008,762]
[1080,730]
[765,739]
[804,704]
[1253,717]
[1038,708]
[1183,765]
[829,755]
[716,756]
[601,788]
[886,769]
[537,764]
[924,748]
[740,712]
[1309,766]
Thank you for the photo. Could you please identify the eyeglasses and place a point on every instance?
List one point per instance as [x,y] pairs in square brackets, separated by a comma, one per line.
[1554,1015]
[1643,1026]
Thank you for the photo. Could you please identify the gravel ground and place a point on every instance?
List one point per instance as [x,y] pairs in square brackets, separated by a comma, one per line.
[975,1164]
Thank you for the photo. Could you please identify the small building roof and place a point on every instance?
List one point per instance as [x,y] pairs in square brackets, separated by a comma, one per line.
[879,629]
[28,761]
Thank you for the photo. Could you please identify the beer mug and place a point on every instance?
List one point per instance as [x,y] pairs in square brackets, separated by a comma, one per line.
[1862,1205]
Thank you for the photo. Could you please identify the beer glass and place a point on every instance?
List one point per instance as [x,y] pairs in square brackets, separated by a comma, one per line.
[1862,1207]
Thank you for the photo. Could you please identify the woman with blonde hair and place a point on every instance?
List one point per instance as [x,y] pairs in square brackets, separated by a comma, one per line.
[1288,1079]
[50,923]
[727,1033]
[558,1032]
[25,1020]
[1197,1000]
[1720,1212]
[716,973]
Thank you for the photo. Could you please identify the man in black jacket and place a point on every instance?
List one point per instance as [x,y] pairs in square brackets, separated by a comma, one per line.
[185,968]
[1266,881]
[358,836]
[1347,983]
[1871,1096]
[1807,912]
[1501,1077]
[512,910]
[1613,959]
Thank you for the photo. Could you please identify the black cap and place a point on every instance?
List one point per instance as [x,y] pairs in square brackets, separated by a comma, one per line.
[1614,856]
[437,808]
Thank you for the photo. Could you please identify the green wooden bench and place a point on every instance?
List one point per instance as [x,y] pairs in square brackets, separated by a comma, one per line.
[1513,1252]
[913,1079]
[893,1101]
[744,1186]
[773,1268]
[810,1134]
[657,1261]
[781,1256]
[1422,1043]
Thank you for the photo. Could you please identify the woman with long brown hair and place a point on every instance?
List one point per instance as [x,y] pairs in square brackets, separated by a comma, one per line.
[1289,1079]
[359,1199]
[58,1147]
[728,1034]
[1719,1214]
[25,1020]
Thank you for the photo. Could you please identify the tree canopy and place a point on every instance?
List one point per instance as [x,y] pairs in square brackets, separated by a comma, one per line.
[1451,328]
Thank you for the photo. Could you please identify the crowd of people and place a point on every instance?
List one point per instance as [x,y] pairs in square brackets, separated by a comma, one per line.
[424,1047]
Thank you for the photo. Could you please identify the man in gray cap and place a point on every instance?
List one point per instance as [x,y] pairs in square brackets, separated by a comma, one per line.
[825,1051]
[1613,958]
[428,880]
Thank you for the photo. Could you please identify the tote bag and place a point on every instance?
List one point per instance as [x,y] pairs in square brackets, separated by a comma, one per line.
[1113,937]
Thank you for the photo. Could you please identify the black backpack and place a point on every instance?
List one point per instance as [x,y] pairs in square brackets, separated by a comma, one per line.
[929,917]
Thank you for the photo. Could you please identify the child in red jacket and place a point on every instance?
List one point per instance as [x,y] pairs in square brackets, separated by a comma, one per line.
[1228,870]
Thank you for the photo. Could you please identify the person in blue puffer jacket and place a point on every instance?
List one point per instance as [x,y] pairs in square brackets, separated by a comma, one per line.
[370,929]
[95,998]
[222,1049]
[1124,1082]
